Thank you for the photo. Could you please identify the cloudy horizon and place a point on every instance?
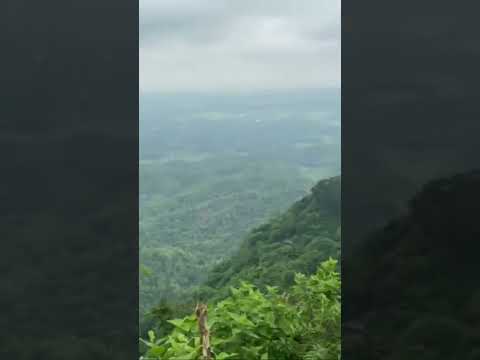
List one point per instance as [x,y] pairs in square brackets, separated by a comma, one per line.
[247,46]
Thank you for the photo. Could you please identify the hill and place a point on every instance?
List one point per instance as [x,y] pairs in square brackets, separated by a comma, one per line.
[296,241]
[418,272]
[194,215]
[212,168]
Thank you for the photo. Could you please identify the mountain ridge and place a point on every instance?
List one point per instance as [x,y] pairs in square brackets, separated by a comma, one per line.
[296,241]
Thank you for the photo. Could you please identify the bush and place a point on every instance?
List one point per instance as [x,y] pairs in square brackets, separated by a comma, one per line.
[249,325]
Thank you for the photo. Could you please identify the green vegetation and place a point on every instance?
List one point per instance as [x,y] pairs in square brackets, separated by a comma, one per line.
[296,241]
[249,325]
[199,212]
[272,255]
[211,172]
[214,168]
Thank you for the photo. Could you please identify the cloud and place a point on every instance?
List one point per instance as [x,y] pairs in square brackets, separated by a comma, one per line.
[247,45]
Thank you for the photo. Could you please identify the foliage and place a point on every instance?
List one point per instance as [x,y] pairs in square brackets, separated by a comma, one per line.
[186,231]
[214,168]
[205,183]
[249,325]
[297,241]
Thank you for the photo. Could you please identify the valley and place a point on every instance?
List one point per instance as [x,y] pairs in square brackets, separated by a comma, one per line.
[214,169]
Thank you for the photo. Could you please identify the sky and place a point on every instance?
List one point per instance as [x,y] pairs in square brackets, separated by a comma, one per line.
[239,45]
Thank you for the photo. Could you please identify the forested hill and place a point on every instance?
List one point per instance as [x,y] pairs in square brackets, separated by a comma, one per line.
[291,252]
[422,271]
[297,241]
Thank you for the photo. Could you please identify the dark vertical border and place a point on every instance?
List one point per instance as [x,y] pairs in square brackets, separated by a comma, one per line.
[69,189]
[410,180]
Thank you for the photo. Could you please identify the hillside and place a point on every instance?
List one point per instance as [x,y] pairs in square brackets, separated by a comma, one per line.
[212,168]
[194,215]
[296,241]
[420,270]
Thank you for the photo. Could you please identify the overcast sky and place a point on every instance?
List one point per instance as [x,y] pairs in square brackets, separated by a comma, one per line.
[239,45]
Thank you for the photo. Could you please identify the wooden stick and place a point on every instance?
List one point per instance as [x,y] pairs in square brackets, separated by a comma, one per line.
[201,312]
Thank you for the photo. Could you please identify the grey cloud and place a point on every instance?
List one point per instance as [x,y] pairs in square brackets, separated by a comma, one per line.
[198,45]
[190,29]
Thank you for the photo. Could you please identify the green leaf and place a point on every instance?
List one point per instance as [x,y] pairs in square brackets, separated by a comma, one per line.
[184,324]
[151,336]
[225,356]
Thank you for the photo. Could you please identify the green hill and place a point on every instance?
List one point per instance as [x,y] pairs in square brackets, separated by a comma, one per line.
[296,241]
[212,168]
[195,215]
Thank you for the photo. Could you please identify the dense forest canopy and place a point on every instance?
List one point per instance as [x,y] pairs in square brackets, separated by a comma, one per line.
[213,168]
[230,197]
[296,241]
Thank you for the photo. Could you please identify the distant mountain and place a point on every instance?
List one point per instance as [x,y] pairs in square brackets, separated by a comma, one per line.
[297,241]
[421,272]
